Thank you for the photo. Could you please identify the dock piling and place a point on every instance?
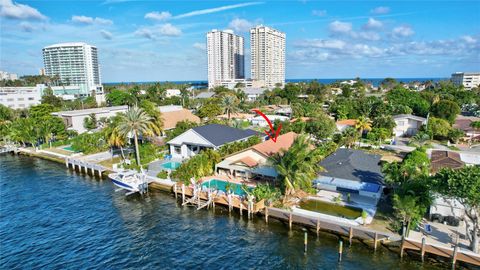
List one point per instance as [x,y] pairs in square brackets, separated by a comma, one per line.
[183,194]
[318,226]
[266,215]
[454,257]
[350,235]
[422,251]
[241,208]
[175,189]
[402,247]
[340,251]
[375,240]
[305,240]
[290,221]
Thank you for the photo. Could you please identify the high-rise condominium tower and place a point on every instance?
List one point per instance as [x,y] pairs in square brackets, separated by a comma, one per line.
[268,56]
[75,64]
[226,60]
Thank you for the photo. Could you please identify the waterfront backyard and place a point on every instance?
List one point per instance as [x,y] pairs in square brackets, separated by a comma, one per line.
[95,227]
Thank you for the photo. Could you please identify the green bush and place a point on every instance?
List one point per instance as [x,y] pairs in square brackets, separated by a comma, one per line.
[162,174]
[266,192]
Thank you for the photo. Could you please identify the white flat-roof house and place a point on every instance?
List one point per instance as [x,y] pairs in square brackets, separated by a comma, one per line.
[213,136]
[261,122]
[172,92]
[469,80]
[407,124]
[74,119]
[253,93]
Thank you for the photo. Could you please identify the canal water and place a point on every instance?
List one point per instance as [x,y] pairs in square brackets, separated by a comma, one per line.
[51,218]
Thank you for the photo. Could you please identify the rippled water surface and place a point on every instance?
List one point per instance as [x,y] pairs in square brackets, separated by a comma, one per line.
[51,218]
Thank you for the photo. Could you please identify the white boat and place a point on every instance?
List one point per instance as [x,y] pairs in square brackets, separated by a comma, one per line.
[130,181]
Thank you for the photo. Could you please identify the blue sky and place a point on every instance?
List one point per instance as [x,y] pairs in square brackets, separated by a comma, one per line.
[165,40]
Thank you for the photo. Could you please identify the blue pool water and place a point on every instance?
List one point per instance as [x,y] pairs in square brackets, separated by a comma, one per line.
[171,165]
[68,148]
[222,185]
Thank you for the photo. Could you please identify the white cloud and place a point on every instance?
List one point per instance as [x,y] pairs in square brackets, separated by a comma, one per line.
[166,30]
[322,43]
[106,35]
[158,16]
[469,39]
[319,13]
[402,31]
[340,27]
[380,10]
[11,10]
[90,20]
[169,30]
[200,46]
[214,10]
[144,32]
[373,24]
[240,25]
[367,35]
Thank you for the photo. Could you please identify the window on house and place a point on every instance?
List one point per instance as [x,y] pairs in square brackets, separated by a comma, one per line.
[177,149]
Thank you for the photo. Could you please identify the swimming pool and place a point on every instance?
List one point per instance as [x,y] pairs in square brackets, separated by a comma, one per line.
[337,210]
[222,185]
[68,148]
[171,165]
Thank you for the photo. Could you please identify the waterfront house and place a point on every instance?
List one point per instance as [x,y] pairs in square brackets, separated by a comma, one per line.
[351,171]
[407,124]
[252,163]
[346,123]
[213,136]
[440,159]
[74,119]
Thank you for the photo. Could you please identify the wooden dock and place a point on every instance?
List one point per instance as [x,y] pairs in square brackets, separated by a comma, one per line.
[189,195]
[322,224]
[84,166]
[454,254]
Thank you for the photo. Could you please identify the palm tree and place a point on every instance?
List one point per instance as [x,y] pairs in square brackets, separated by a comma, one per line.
[135,121]
[298,166]
[184,93]
[230,105]
[114,138]
[363,123]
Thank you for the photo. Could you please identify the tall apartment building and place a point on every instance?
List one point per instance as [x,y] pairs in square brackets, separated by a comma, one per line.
[268,56]
[225,56]
[75,63]
[469,80]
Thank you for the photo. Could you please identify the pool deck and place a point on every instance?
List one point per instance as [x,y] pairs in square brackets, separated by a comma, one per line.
[249,183]
[155,167]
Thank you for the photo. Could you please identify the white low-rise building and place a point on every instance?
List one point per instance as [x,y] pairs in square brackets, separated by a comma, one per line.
[469,80]
[172,93]
[261,122]
[20,97]
[253,93]
[74,119]
[8,76]
[407,124]
[24,97]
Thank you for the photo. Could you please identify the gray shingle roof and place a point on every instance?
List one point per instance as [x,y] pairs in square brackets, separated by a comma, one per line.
[353,165]
[221,134]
